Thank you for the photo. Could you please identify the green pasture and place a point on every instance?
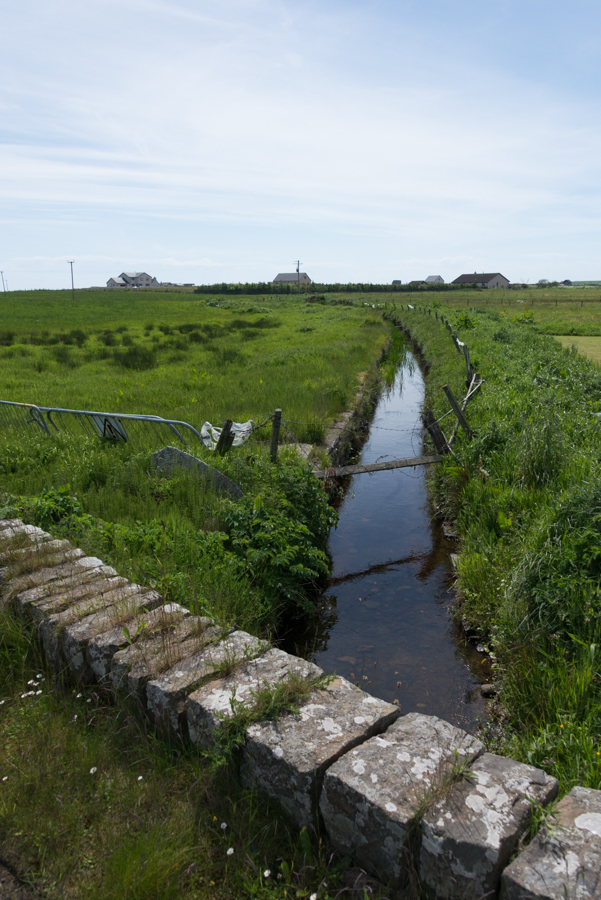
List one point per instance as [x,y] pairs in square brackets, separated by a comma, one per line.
[185,356]
[588,346]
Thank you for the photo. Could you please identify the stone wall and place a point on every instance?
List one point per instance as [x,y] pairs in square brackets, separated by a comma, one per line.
[413,800]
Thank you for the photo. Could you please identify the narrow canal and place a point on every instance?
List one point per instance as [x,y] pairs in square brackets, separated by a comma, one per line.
[385,618]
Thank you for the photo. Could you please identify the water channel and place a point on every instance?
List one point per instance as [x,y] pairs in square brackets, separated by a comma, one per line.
[385,617]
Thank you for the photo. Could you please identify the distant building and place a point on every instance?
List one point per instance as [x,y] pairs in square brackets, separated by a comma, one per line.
[434,279]
[292,278]
[397,282]
[133,279]
[567,283]
[484,279]
[418,283]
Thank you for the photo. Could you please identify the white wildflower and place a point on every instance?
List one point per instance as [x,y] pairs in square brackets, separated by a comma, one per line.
[313,897]
[140,777]
[5,778]
[223,826]
[37,693]
[78,696]
[39,676]
[89,700]
[2,701]
[93,770]
[230,851]
[266,873]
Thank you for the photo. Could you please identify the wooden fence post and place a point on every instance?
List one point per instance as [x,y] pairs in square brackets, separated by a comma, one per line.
[226,438]
[458,411]
[466,353]
[435,431]
[275,434]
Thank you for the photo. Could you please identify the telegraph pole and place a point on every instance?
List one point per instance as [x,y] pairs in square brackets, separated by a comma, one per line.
[298,265]
[71,261]
[3,283]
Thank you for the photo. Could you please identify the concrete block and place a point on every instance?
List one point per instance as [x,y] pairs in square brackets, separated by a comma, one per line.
[374,796]
[167,694]
[75,636]
[170,459]
[44,548]
[470,833]
[564,860]
[206,705]
[102,647]
[157,651]
[287,759]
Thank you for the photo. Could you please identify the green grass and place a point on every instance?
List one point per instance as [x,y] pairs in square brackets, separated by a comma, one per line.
[525,495]
[588,346]
[94,805]
[177,356]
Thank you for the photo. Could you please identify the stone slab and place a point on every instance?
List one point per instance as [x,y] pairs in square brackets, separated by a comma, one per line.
[205,706]
[167,694]
[75,637]
[102,647]
[75,582]
[287,759]
[63,599]
[373,796]
[74,566]
[16,526]
[46,547]
[563,862]
[470,833]
[52,627]
[135,665]
[8,524]
[170,459]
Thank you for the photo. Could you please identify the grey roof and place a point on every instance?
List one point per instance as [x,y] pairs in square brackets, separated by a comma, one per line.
[290,276]
[477,278]
[433,279]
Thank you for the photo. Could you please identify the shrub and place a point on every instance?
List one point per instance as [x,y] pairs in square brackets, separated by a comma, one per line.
[136,357]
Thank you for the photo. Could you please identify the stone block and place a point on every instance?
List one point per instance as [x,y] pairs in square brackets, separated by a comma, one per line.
[9,524]
[125,603]
[288,758]
[43,548]
[77,562]
[471,831]
[564,860]
[102,647]
[53,627]
[374,796]
[156,651]
[170,459]
[167,694]
[62,599]
[205,706]
[77,583]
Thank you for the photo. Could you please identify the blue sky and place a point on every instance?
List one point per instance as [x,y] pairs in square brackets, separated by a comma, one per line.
[208,142]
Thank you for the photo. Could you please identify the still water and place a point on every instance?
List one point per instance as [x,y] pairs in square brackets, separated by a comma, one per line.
[385,617]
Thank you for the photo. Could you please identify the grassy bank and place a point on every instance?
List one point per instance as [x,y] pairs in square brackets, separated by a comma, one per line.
[93,804]
[525,495]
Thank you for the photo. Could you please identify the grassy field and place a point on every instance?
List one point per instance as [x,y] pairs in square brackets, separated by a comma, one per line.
[588,346]
[145,824]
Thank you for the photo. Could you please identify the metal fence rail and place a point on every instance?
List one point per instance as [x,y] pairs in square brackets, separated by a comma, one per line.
[81,422]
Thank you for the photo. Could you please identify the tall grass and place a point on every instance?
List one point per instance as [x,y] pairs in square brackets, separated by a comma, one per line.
[525,495]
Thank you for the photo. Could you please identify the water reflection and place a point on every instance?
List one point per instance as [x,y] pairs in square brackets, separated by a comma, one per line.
[385,616]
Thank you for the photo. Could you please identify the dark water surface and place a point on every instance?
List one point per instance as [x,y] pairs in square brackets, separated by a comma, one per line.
[385,616]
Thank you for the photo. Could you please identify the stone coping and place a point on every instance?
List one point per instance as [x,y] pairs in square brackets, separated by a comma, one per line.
[411,799]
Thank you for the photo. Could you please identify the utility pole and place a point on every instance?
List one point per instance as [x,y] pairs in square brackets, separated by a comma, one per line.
[3,284]
[71,261]
[298,265]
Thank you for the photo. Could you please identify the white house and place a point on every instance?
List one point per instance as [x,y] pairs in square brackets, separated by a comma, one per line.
[434,279]
[484,279]
[292,278]
[133,279]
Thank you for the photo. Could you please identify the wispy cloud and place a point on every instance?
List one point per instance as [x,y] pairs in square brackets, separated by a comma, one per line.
[273,126]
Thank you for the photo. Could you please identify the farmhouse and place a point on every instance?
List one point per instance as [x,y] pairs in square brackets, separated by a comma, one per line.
[418,283]
[292,278]
[484,279]
[434,279]
[132,279]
